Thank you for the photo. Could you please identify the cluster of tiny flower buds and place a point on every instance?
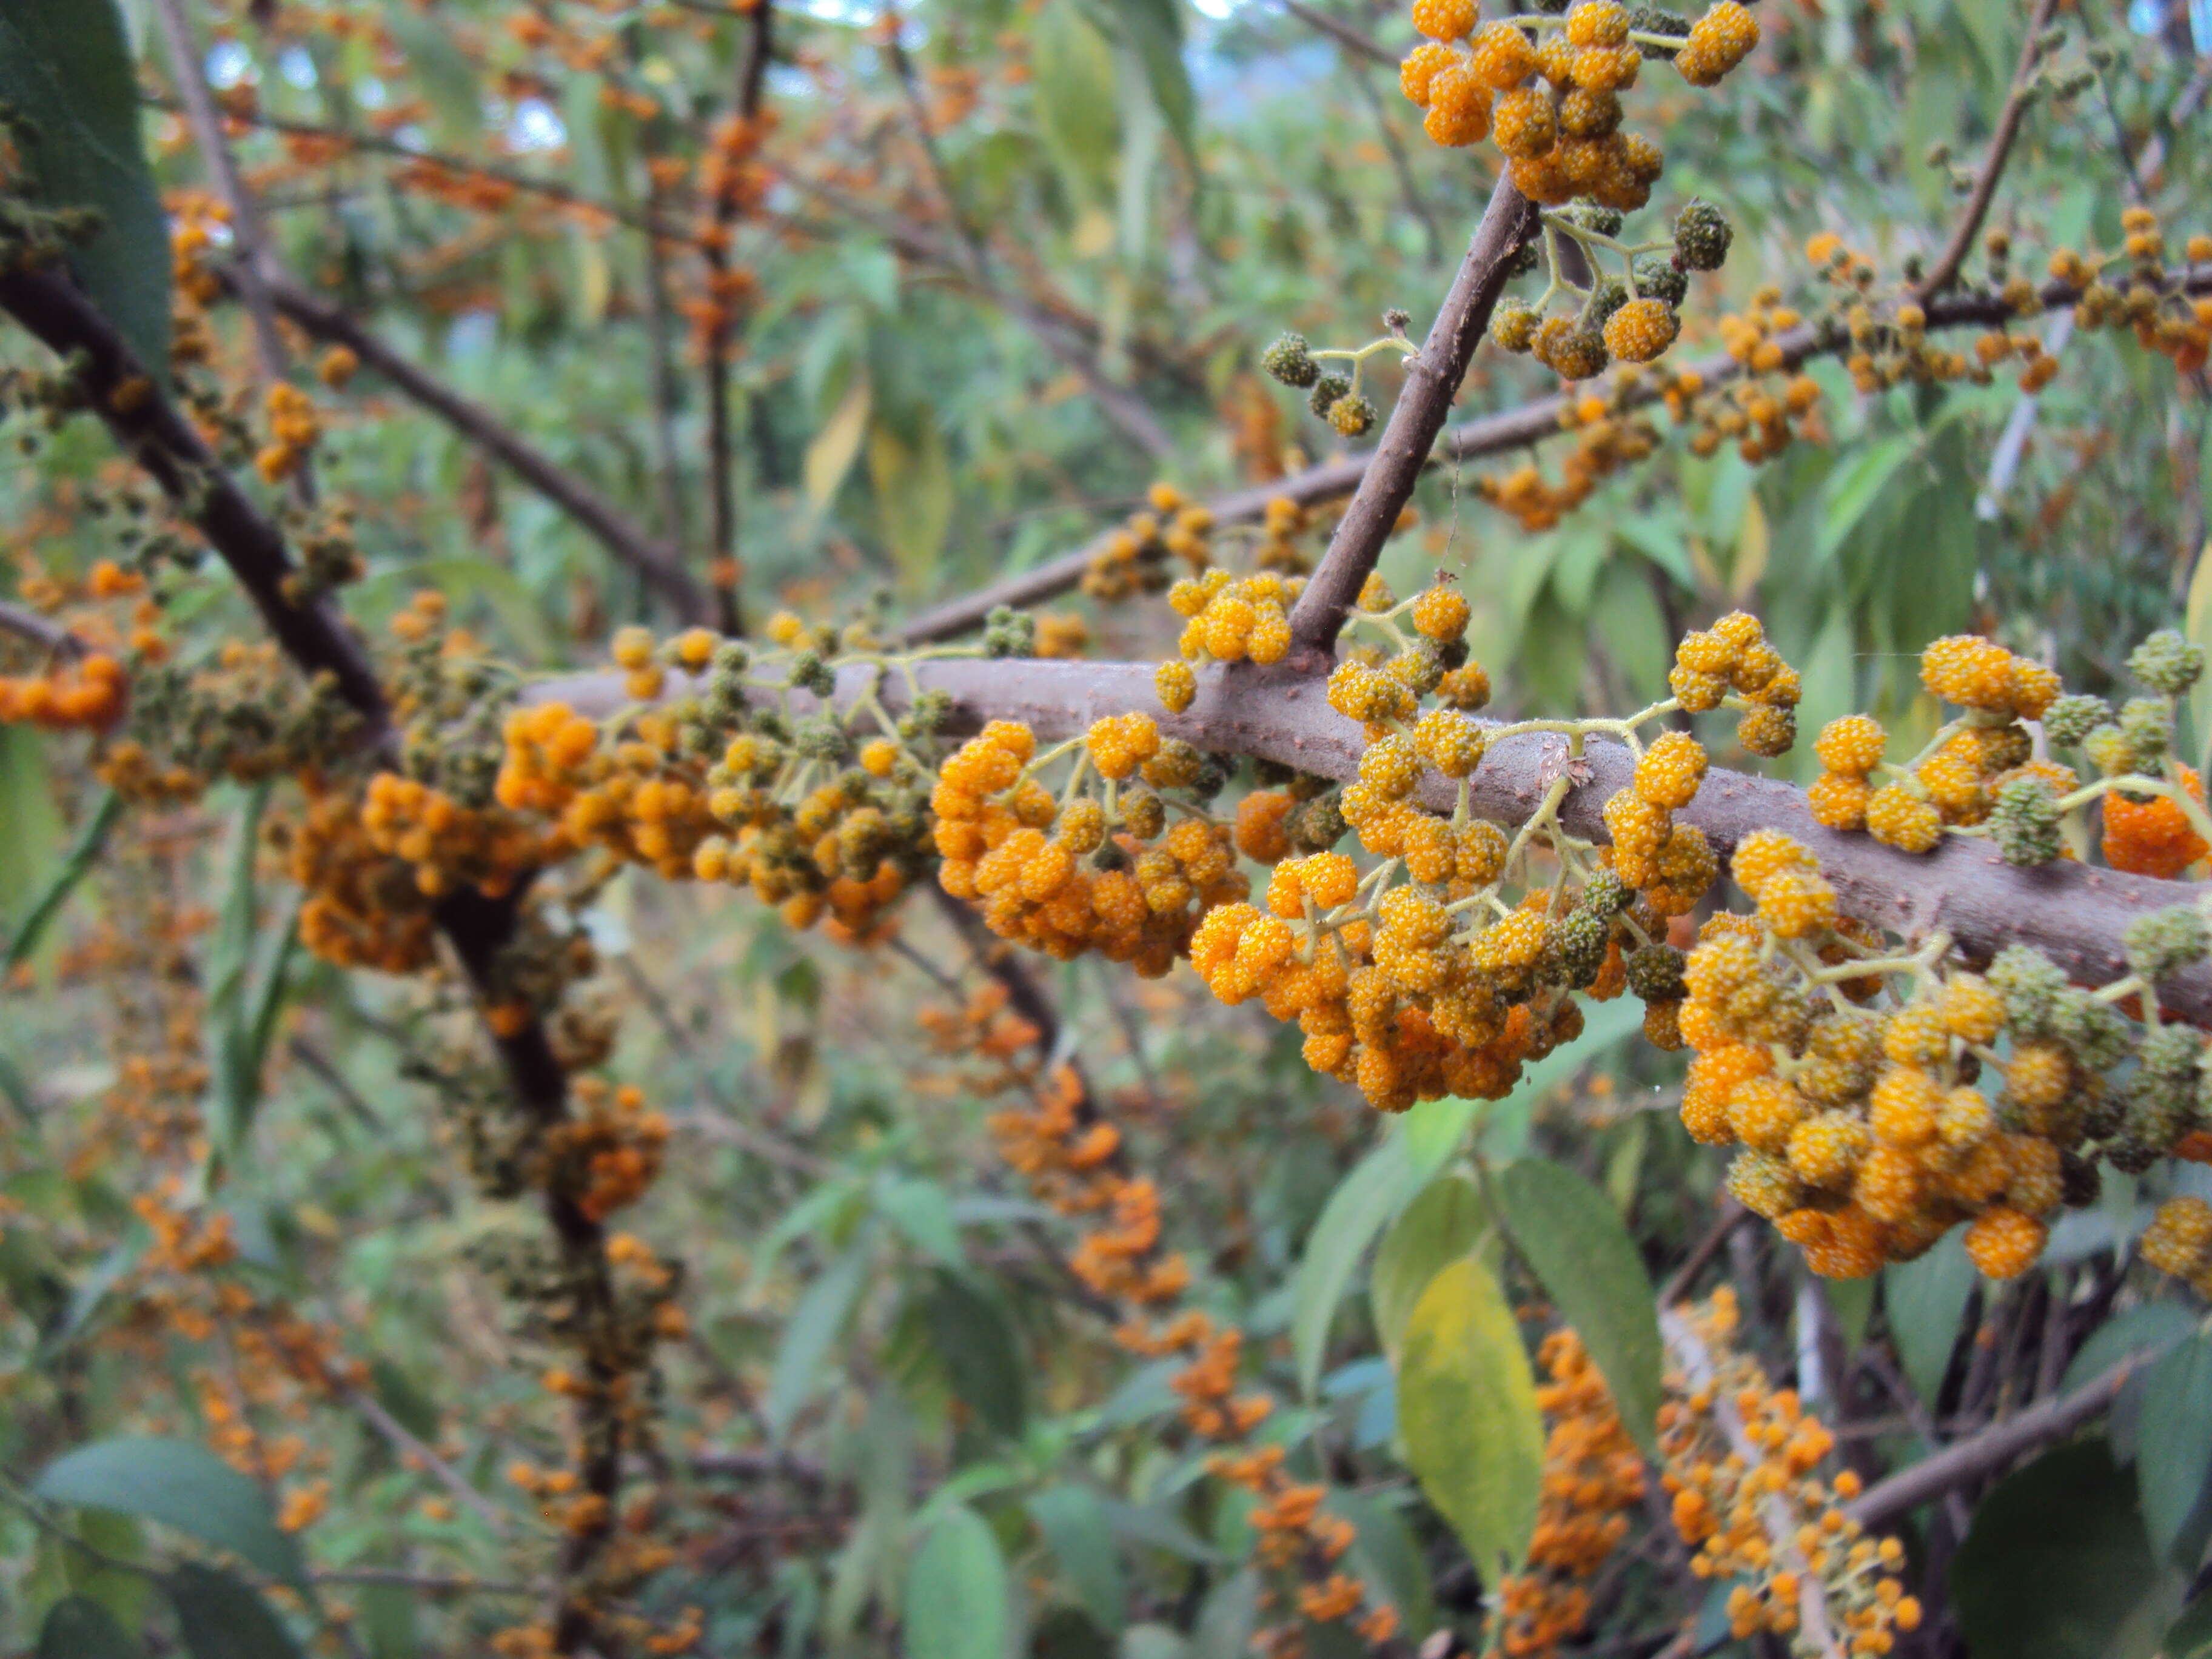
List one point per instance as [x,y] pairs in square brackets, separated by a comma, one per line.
[1742,1463]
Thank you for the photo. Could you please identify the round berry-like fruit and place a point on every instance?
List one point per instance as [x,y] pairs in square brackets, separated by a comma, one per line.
[1641,329]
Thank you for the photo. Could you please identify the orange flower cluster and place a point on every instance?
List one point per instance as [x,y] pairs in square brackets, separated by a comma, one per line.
[294,429]
[450,845]
[1075,1161]
[2173,326]
[1135,558]
[609,1151]
[2153,836]
[364,908]
[1552,99]
[1131,898]
[1608,439]
[85,693]
[1593,1476]
[1863,1139]
[1742,1463]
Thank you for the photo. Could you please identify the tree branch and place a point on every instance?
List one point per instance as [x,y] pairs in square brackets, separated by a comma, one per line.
[2073,914]
[1986,1453]
[206,123]
[659,567]
[1359,45]
[1432,380]
[43,632]
[1945,271]
[1509,429]
[314,635]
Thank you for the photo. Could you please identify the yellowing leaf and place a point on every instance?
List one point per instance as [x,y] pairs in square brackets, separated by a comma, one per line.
[1443,1224]
[914,496]
[1466,1411]
[1752,546]
[837,445]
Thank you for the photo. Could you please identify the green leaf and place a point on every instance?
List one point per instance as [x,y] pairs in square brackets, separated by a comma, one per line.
[957,1591]
[2176,1435]
[1385,1553]
[1073,67]
[976,1340]
[1369,1192]
[83,853]
[1466,1411]
[1926,1298]
[2146,1329]
[2055,1562]
[31,828]
[921,1210]
[181,1485]
[222,1619]
[830,456]
[1444,1221]
[1855,486]
[1573,1238]
[1227,1620]
[65,65]
[2190,1637]
[1152,29]
[396,1392]
[437,63]
[234,1012]
[1076,1529]
[812,1329]
[78,1627]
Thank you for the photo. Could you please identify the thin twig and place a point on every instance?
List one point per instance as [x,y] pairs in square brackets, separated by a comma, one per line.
[47,634]
[1432,380]
[1359,45]
[1945,270]
[206,123]
[657,564]
[372,1412]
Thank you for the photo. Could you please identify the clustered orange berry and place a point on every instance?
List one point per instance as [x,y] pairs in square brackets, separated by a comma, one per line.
[2178,1241]
[1609,437]
[610,1152]
[294,429]
[1137,556]
[1548,90]
[84,693]
[1077,1163]
[1864,1137]
[1734,656]
[1230,618]
[1593,1478]
[1741,1473]
[2153,836]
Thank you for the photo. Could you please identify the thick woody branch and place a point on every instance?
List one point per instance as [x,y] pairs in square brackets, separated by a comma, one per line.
[656,564]
[2073,914]
[160,439]
[1519,427]
[315,637]
[1945,270]
[1432,380]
